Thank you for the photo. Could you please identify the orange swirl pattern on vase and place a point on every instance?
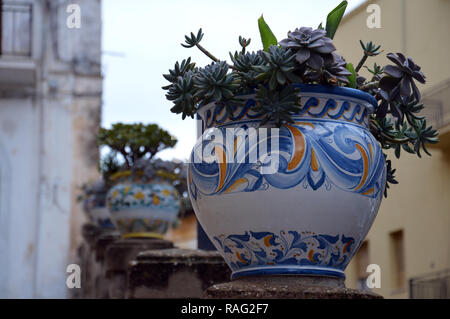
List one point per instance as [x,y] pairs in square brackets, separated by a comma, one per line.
[299,147]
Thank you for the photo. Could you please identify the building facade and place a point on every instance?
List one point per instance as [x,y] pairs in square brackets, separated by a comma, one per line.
[50,109]
[410,238]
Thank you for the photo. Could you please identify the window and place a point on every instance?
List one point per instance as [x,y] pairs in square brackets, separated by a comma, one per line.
[15,28]
[397,259]
[362,261]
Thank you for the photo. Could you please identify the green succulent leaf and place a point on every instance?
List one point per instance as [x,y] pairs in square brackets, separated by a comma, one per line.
[181,93]
[267,37]
[334,18]
[193,40]
[244,43]
[278,106]
[243,66]
[351,78]
[179,70]
[279,67]
[214,82]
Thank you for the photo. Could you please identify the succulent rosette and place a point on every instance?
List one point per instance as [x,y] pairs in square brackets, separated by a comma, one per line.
[396,85]
[310,46]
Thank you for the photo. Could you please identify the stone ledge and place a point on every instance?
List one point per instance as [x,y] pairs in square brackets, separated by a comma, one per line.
[175,273]
[102,243]
[122,251]
[118,256]
[287,287]
[90,233]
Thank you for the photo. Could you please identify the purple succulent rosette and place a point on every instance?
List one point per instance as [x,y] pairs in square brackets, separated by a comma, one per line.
[310,46]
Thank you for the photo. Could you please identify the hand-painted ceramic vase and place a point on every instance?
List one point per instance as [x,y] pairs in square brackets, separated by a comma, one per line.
[98,213]
[294,200]
[142,208]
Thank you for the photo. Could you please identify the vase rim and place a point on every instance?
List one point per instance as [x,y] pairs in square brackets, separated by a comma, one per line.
[338,90]
[327,89]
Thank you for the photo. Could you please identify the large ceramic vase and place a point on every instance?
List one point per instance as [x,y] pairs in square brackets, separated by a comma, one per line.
[142,208]
[306,203]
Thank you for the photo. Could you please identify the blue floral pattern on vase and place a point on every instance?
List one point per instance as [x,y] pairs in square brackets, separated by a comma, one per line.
[253,250]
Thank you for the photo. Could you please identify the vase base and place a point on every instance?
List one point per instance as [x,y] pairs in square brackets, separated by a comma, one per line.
[288,270]
[142,235]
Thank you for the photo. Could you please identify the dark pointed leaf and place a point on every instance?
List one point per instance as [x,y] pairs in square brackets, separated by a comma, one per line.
[393,71]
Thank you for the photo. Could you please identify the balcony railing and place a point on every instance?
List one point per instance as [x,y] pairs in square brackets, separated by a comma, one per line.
[432,286]
[437,105]
[16,27]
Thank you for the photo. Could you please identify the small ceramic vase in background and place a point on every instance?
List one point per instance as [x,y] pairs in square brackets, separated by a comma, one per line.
[140,207]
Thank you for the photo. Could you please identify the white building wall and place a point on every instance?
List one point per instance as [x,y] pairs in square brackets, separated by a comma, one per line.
[19,138]
[47,148]
[53,237]
[4,218]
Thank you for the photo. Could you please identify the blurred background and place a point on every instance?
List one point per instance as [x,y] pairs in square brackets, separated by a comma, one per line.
[60,82]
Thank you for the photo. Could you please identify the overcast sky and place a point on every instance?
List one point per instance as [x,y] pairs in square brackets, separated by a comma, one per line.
[141,41]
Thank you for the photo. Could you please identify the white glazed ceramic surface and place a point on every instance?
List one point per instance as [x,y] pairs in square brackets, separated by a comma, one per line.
[143,209]
[312,213]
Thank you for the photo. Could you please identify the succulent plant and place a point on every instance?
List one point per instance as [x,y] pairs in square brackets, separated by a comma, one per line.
[214,82]
[411,109]
[389,105]
[399,78]
[369,49]
[376,71]
[390,178]
[182,95]
[194,40]
[411,135]
[279,105]
[308,56]
[244,43]
[334,71]
[360,80]
[310,46]
[396,85]
[179,70]
[421,135]
[279,67]
[243,65]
